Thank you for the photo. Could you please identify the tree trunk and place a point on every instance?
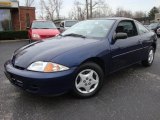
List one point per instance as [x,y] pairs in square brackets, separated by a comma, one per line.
[90,8]
[87,9]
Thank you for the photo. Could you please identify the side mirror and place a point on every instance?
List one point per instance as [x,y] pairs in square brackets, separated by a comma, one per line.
[120,36]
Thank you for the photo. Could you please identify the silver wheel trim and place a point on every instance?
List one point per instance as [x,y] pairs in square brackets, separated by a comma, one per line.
[151,56]
[87,82]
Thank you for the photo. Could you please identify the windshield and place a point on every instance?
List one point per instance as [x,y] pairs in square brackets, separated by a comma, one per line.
[91,28]
[70,23]
[153,25]
[43,25]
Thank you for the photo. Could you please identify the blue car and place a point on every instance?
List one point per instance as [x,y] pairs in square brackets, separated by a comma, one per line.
[78,59]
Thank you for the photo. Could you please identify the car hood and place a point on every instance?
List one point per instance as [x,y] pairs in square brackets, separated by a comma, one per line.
[45,31]
[47,50]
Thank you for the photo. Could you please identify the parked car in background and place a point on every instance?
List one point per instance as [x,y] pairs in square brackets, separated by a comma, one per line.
[154,26]
[158,32]
[42,29]
[147,26]
[64,25]
[78,59]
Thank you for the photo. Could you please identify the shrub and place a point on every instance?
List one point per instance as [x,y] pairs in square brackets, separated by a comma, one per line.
[13,35]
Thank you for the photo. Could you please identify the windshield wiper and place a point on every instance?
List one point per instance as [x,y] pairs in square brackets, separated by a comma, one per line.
[35,28]
[46,28]
[74,35]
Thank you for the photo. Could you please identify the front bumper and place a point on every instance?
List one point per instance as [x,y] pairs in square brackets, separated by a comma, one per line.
[38,82]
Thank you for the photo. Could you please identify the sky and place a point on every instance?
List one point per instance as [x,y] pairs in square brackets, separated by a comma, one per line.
[132,5]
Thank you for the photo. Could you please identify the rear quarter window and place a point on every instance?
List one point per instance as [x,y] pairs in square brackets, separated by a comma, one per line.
[141,28]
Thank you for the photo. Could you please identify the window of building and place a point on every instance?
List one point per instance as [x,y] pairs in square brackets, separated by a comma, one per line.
[5,20]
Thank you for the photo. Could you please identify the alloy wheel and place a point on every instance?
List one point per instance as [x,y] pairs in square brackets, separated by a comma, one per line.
[151,56]
[87,81]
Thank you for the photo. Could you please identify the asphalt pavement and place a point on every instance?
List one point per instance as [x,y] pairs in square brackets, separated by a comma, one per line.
[130,94]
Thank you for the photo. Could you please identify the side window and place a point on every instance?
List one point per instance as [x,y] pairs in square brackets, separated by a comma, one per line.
[141,28]
[127,27]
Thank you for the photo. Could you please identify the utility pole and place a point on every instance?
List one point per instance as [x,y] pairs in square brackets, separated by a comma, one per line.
[90,8]
[87,9]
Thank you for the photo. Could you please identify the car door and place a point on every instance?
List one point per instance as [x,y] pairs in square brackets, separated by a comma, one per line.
[146,39]
[125,52]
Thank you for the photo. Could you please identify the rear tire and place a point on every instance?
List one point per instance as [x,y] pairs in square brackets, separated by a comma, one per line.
[88,80]
[148,62]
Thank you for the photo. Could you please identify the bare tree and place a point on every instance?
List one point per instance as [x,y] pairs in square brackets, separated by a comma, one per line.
[87,9]
[139,14]
[101,9]
[50,9]
[58,4]
[93,4]
[29,3]
[79,11]
[97,8]
[123,13]
[42,10]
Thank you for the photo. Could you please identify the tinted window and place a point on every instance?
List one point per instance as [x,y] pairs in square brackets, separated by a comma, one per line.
[43,25]
[141,28]
[91,28]
[70,23]
[127,27]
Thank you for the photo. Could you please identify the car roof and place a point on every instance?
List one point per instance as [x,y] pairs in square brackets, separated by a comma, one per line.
[69,20]
[42,21]
[113,18]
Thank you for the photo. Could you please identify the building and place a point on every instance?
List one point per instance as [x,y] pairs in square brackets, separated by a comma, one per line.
[157,17]
[15,17]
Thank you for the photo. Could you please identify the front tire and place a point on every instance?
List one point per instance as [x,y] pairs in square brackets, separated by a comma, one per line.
[148,62]
[88,80]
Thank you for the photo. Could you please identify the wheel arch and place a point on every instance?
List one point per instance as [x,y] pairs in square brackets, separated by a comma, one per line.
[154,46]
[98,61]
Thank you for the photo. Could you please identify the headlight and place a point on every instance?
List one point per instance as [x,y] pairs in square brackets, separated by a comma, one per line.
[36,36]
[46,67]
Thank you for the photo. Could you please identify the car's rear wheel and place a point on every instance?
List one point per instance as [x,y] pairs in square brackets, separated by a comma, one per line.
[148,62]
[88,81]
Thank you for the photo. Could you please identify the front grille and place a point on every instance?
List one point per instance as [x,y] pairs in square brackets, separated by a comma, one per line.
[17,82]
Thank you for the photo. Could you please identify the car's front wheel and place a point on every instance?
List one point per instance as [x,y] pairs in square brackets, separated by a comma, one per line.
[89,80]
[150,59]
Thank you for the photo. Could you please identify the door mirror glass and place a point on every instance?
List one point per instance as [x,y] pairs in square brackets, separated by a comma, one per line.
[121,36]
